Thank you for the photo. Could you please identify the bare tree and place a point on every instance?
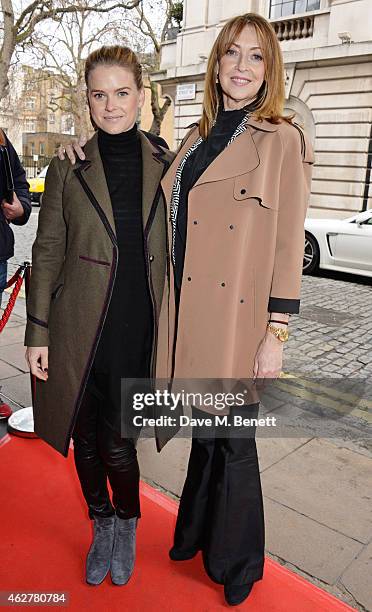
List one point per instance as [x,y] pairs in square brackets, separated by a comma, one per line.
[62,54]
[18,28]
[156,35]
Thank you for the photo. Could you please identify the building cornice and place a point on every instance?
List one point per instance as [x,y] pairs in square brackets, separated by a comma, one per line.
[345,53]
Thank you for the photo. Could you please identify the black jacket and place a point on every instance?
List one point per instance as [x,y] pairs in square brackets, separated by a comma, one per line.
[21,187]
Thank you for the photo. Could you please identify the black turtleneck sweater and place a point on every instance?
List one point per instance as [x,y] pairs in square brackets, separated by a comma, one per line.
[125,344]
[197,163]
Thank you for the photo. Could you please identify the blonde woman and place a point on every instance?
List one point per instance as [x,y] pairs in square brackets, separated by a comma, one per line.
[99,263]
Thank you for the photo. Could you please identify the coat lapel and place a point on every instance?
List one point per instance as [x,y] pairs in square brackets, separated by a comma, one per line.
[154,165]
[240,157]
[93,174]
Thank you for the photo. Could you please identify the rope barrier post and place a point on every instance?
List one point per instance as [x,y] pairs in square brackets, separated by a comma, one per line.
[21,423]
[27,265]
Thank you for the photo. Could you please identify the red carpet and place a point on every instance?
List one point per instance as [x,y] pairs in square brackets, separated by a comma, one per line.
[46,534]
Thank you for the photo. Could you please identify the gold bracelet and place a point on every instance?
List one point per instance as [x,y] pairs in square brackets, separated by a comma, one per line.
[278,332]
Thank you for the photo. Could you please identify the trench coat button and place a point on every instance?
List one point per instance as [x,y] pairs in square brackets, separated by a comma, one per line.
[223,284]
[243,191]
[195,223]
[151,258]
[231,226]
[189,278]
[242,301]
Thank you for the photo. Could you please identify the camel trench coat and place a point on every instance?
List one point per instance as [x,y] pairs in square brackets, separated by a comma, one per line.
[244,251]
[74,259]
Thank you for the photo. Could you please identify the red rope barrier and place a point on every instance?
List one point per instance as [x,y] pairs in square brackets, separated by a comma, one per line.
[13,279]
[17,278]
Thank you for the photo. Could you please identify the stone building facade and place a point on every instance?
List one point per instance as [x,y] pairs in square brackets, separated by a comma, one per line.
[327,51]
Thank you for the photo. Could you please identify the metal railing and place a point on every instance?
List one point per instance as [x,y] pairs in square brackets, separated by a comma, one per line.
[33,166]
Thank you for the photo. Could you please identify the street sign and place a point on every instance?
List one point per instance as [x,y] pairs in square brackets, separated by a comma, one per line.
[186,91]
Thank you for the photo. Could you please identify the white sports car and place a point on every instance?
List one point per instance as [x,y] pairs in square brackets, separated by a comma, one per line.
[342,245]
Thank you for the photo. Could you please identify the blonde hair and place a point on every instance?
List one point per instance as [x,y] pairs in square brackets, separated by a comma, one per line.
[270,101]
[115,55]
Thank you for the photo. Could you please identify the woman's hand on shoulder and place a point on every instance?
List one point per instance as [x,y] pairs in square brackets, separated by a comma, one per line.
[74,147]
[37,359]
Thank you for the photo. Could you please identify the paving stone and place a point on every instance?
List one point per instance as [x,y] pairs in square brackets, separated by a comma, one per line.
[315,353]
[18,388]
[310,546]
[14,323]
[338,491]
[364,359]
[14,354]
[272,450]
[357,578]
[6,371]
[11,335]
[167,469]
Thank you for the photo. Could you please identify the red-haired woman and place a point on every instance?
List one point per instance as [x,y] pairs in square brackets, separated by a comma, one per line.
[237,194]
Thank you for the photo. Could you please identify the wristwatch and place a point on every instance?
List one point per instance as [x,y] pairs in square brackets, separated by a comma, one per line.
[281,334]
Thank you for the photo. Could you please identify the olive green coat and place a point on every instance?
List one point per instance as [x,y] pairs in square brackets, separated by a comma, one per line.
[74,263]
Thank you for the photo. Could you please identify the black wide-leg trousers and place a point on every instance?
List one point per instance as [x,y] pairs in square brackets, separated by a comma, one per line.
[221,507]
[101,453]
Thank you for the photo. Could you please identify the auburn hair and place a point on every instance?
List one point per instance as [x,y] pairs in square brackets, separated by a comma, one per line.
[115,55]
[270,98]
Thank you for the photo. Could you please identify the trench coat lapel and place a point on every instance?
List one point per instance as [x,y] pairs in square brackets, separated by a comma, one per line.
[93,174]
[240,157]
[153,167]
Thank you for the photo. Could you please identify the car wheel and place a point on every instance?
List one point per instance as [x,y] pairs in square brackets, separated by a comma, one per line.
[311,255]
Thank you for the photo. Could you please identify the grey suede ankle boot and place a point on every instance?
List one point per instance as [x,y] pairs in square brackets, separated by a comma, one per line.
[124,553]
[99,555]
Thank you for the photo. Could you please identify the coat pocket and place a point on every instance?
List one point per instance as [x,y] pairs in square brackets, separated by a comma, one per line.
[95,261]
[254,191]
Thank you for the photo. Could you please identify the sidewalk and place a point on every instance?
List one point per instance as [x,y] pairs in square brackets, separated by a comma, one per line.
[317,492]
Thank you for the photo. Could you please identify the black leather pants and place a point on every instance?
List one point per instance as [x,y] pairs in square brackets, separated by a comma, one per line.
[221,508]
[101,453]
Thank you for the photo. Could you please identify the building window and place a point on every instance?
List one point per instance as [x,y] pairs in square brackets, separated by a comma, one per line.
[52,118]
[32,148]
[30,103]
[29,85]
[42,148]
[30,125]
[284,8]
[67,124]
[52,97]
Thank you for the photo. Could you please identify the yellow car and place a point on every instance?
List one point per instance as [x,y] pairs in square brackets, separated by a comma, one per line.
[37,186]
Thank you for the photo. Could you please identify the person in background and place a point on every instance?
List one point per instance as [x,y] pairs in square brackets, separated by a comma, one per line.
[18,211]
